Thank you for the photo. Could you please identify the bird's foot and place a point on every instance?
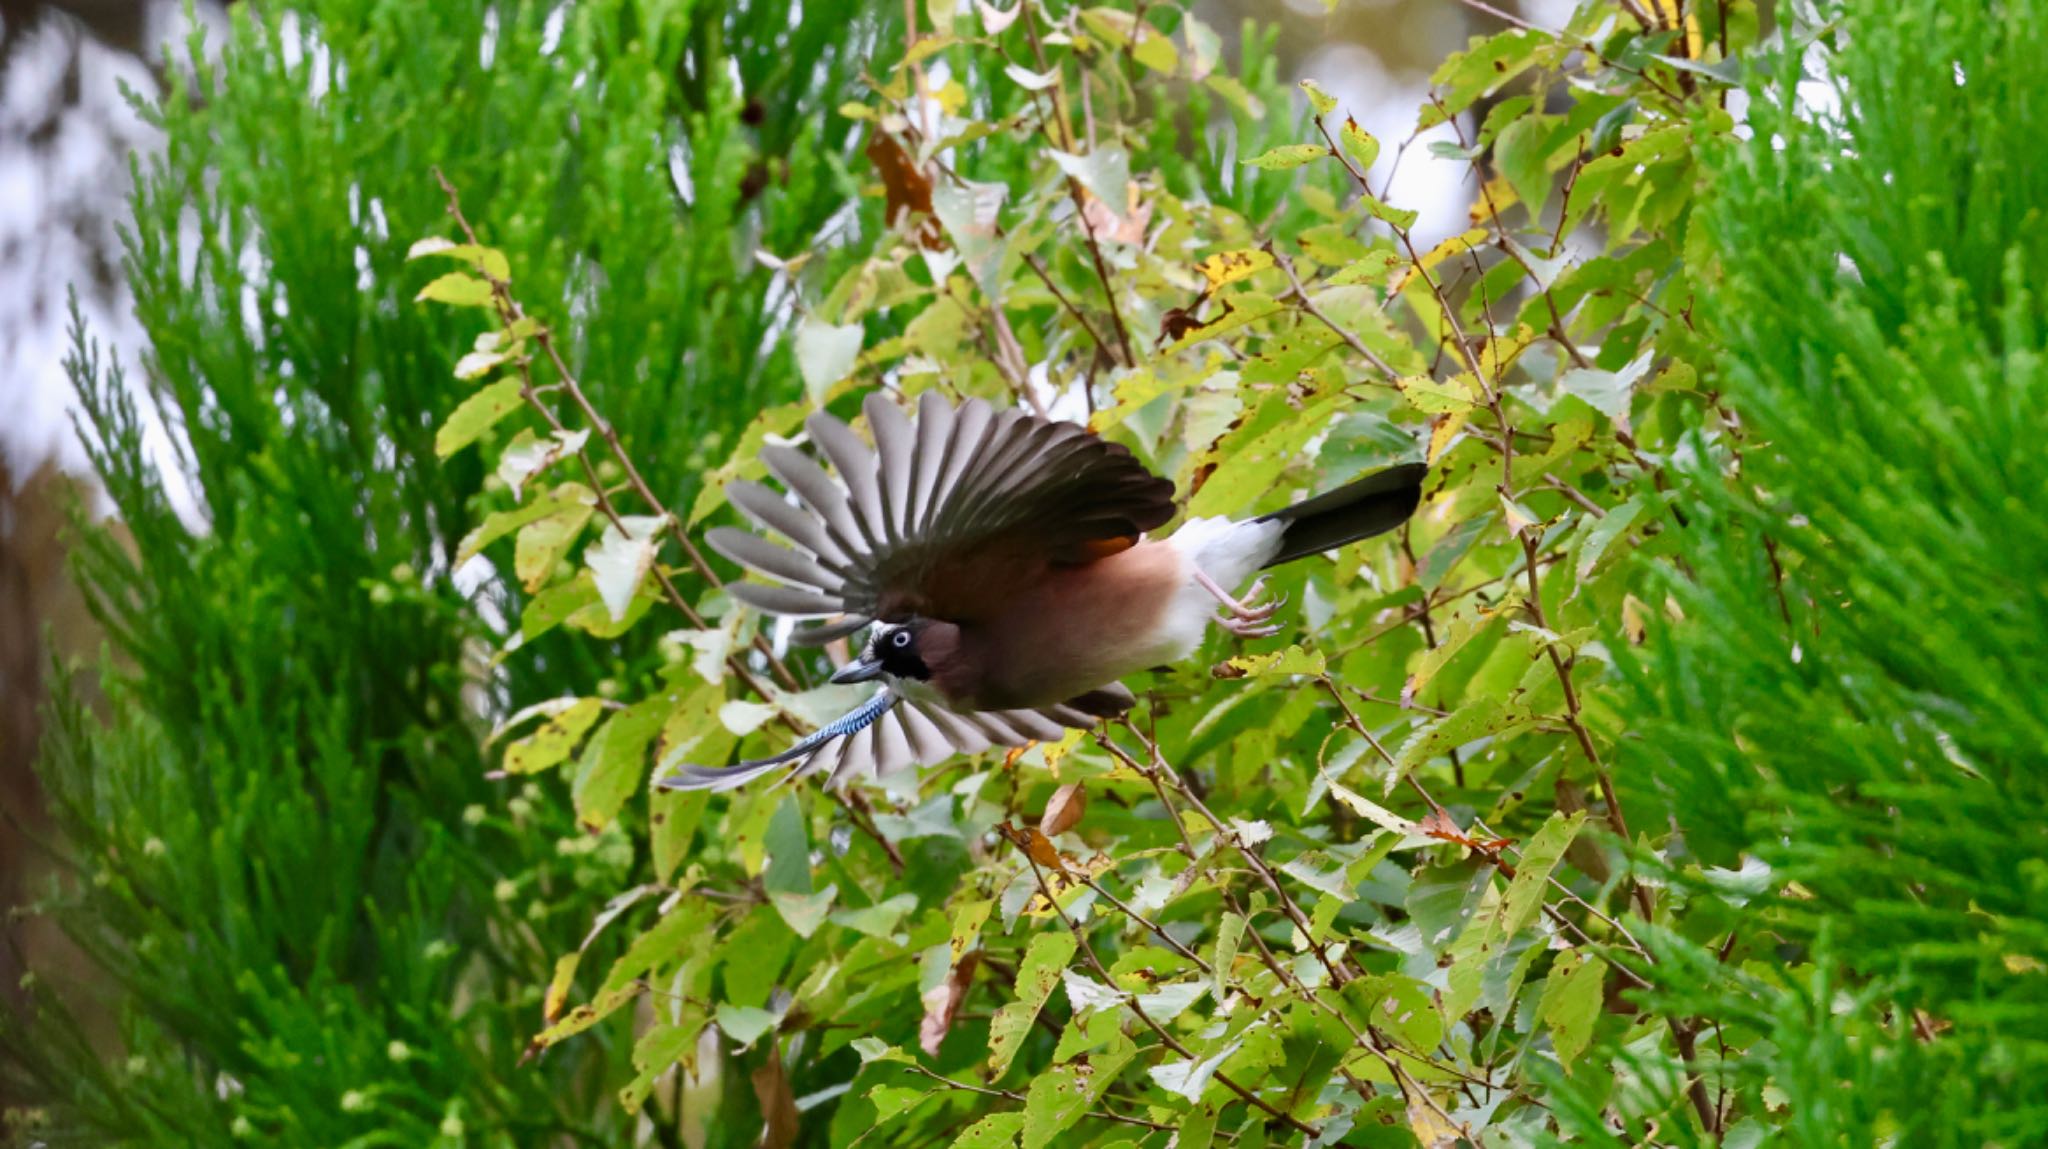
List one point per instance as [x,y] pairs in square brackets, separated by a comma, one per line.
[1247,617]
[1247,628]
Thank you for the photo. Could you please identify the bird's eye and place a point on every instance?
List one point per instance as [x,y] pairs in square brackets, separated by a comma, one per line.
[900,639]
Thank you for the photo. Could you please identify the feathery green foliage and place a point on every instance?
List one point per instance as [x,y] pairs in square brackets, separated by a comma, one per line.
[1855,699]
[325,926]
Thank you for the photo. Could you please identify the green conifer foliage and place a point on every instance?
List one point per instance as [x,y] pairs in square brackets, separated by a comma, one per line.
[320,924]
[1855,698]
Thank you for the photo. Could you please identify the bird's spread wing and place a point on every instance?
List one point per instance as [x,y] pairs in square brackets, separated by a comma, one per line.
[888,733]
[944,516]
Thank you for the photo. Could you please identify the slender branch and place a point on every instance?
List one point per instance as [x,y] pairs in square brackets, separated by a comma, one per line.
[1013,1095]
[1172,1042]
[1295,291]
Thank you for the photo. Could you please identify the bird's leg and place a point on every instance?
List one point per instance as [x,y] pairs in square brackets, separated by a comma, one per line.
[1247,617]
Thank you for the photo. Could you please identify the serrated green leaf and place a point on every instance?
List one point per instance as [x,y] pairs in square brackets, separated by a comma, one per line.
[1229,933]
[1602,534]
[1571,1004]
[498,524]
[1400,219]
[996,1131]
[1287,156]
[1359,144]
[615,760]
[1477,718]
[456,289]
[487,260]
[1540,854]
[544,542]
[1037,974]
[557,738]
[1059,1097]
[475,415]
[890,1100]
[1455,638]
[875,1049]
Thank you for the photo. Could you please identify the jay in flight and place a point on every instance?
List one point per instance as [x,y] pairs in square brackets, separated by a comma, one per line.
[1001,561]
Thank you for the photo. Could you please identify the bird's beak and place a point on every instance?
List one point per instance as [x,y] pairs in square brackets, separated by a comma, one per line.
[863,669]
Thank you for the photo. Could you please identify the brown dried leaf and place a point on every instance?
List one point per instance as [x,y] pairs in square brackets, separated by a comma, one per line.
[1064,811]
[942,1003]
[778,1104]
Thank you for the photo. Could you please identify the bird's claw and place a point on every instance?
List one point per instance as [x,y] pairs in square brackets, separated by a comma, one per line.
[1248,627]
[1247,617]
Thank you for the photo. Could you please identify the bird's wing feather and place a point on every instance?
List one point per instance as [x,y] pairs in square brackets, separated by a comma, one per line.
[946,516]
[885,734]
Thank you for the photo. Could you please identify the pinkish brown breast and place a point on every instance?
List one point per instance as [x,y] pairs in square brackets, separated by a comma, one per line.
[1071,631]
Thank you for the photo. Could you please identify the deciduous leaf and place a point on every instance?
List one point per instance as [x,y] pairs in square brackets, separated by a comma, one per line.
[456,289]
[1323,102]
[555,740]
[622,557]
[475,415]
[997,1130]
[1188,1078]
[1105,172]
[1037,974]
[543,542]
[1058,1098]
[1288,156]
[498,524]
[1146,44]
[1359,144]
[1228,267]
[1571,1004]
[1477,718]
[825,354]
[615,760]
[527,455]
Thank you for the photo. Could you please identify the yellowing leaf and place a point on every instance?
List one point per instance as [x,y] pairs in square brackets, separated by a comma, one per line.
[558,986]
[1445,431]
[456,289]
[1323,102]
[1359,144]
[544,541]
[475,415]
[1229,267]
[1146,44]
[555,740]
[1372,268]
[1428,395]
[1457,245]
[487,260]
[1288,156]
[1037,974]
[1293,660]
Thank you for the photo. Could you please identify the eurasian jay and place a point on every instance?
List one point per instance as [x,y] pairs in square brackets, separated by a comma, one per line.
[1002,562]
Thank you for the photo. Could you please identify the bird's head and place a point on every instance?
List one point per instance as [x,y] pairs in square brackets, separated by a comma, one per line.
[895,649]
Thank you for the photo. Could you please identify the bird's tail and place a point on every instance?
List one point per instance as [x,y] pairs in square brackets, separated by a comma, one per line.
[1375,504]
